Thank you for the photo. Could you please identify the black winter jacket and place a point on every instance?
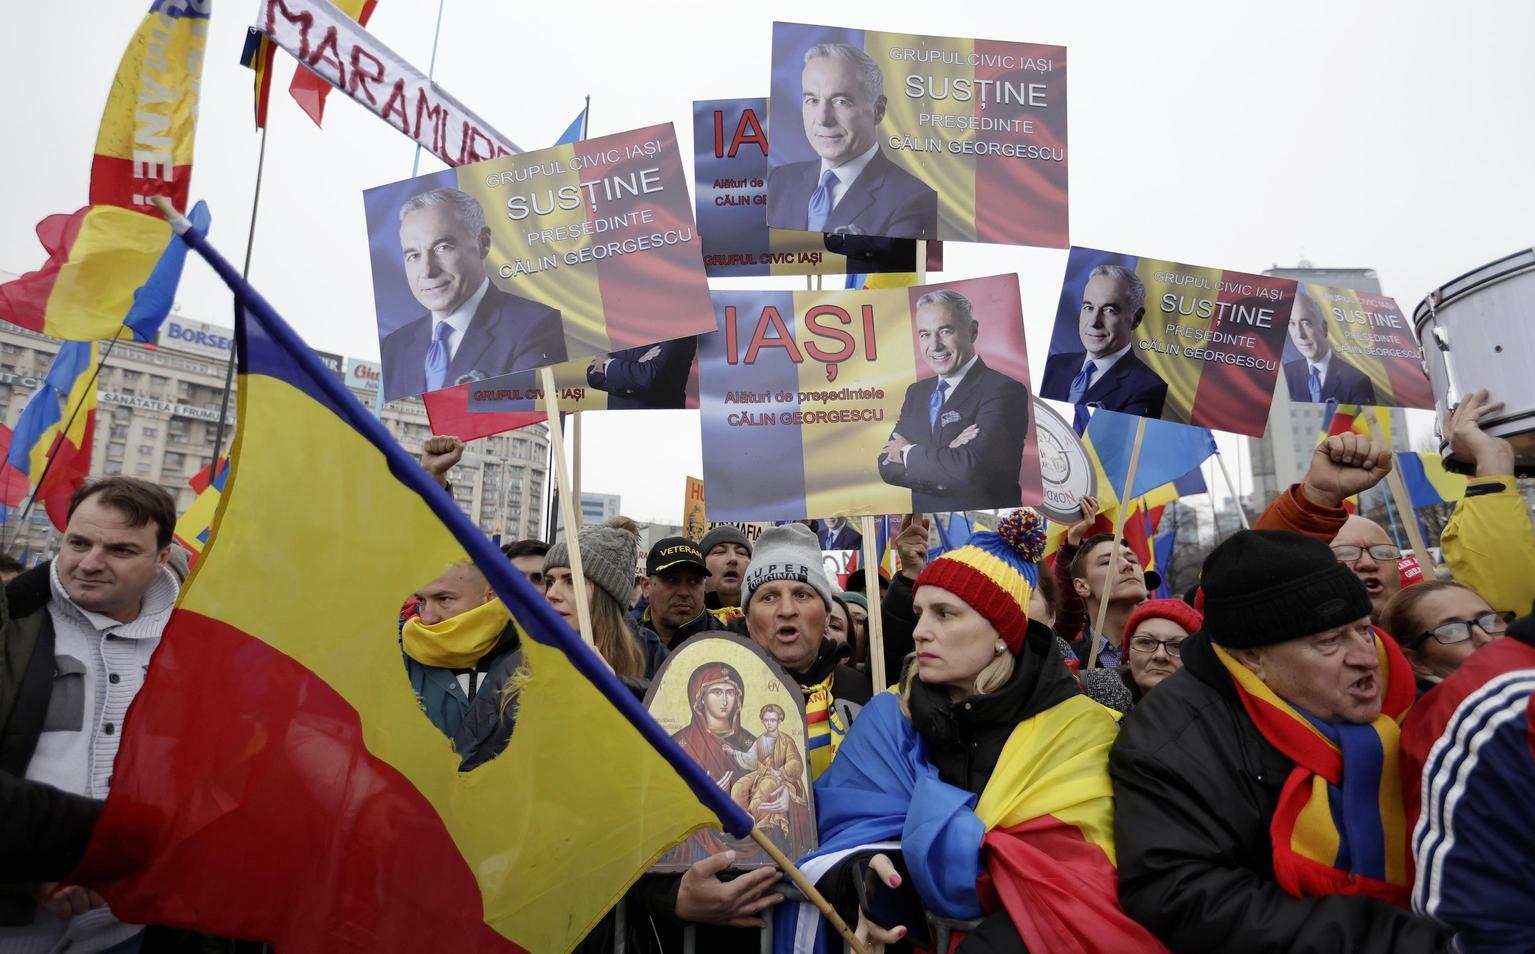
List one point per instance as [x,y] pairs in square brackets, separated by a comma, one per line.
[1195,787]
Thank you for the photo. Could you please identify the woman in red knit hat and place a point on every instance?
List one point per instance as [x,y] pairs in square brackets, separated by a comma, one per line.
[1153,635]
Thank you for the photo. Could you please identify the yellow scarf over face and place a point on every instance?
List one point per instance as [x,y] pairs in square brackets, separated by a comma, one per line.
[460,641]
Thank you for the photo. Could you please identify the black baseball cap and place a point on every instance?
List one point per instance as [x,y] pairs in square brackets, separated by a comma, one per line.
[673,552]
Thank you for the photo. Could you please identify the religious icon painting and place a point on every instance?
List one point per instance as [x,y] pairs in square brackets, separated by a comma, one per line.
[734,711]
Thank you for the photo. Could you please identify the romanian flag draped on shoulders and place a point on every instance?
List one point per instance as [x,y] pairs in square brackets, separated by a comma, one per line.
[277,780]
[99,255]
[1038,842]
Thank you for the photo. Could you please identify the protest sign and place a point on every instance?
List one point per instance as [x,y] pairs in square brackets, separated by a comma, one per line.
[694,524]
[1171,341]
[647,378]
[1352,347]
[730,167]
[338,50]
[818,403]
[534,259]
[942,137]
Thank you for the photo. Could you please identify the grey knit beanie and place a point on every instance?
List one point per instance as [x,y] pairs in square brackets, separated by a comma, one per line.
[608,558]
[789,552]
[724,534]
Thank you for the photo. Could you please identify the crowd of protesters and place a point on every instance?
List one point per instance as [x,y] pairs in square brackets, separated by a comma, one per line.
[1311,750]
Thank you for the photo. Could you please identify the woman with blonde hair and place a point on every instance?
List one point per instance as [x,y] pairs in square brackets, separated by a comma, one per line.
[981,792]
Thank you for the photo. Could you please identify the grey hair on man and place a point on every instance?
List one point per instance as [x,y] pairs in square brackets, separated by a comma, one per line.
[958,305]
[869,74]
[466,208]
[1135,289]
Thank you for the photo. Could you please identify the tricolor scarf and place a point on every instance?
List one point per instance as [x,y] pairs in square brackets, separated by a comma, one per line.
[1039,841]
[1339,827]
[459,641]
[824,728]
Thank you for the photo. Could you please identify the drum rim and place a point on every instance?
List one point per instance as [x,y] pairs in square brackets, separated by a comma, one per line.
[1487,423]
[1449,293]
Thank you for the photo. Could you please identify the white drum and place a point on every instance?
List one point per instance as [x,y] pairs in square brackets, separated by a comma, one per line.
[1478,331]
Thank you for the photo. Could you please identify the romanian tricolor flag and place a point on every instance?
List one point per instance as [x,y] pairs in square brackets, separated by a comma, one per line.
[52,445]
[1356,418]
[196,525]
[259,56]
[100,254]
[1038,843]
[277,779]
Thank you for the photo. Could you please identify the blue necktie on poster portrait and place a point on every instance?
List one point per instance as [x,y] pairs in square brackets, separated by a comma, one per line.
[1314,386]
[437,357]
[820,202]
[935,404]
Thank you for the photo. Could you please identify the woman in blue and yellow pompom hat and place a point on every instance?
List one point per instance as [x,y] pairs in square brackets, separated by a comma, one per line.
[989,769]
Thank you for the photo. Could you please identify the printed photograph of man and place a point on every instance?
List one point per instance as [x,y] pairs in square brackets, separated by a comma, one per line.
[472,330]
[838,533]
[650,376]
[958,444]
[853,188]
[1106,373]
[1319,375]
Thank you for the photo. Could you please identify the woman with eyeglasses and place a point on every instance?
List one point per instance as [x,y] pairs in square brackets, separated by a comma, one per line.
[1439,625]
[1154,635]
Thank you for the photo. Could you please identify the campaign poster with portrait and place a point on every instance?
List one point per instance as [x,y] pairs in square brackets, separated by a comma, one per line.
[730,167]
[742,720]
[1166,340]
[893,400]
[1352,347]
[651,377]
[924,137]
[526,261]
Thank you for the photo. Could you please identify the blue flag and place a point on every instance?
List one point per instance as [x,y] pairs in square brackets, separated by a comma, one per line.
[155,298]
[1168,451]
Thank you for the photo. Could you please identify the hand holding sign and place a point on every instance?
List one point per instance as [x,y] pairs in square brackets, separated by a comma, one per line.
[911,545]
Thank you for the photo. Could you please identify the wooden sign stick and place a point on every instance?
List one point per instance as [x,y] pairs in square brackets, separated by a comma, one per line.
[1112,566]
[876,606]
[807,889]
[568,509]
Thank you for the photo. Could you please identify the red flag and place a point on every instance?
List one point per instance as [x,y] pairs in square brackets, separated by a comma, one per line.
[448,411]
[307,89]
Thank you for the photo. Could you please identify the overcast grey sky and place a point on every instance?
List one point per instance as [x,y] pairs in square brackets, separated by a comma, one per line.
[1394,136]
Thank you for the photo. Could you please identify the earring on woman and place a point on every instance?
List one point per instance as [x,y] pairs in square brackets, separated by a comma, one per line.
[1001,648]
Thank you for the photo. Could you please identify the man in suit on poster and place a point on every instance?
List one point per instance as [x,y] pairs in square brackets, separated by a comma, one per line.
[853,189]
[1320,375]
[472,329]
[958,444]
[1106,373]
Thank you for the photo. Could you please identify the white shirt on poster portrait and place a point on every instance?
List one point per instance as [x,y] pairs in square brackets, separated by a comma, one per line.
[1102,365]
[458,319]
[847,173]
